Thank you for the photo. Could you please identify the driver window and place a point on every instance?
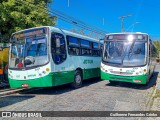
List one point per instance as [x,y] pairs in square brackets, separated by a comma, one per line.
[58,48]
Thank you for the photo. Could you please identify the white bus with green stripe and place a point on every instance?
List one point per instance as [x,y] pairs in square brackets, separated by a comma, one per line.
[48,56]
[128,57]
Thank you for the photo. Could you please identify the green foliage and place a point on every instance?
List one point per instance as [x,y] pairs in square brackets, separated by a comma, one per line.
[157,44]
[22,14]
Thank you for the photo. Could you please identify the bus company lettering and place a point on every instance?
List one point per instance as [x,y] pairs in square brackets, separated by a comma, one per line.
[130,71]
[17,76]
[87,61]
[33,75]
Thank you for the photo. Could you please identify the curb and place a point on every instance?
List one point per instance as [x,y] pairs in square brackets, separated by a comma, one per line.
[151,100]
[158,82]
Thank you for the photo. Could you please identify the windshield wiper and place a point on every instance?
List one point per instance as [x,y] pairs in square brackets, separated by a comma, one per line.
[131,48]
[124,56]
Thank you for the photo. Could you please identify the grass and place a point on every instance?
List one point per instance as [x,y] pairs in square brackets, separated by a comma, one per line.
[150,96]
[157,95]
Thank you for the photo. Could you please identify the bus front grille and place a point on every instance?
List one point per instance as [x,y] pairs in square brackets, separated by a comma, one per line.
[121,73]
[119,79]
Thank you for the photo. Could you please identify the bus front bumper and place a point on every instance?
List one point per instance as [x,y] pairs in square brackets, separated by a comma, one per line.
[45,81]
[139,79]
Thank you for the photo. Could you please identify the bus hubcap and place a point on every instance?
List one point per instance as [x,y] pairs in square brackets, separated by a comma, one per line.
[78,79]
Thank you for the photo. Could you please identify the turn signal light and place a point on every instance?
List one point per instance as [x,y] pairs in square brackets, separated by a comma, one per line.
[47,69]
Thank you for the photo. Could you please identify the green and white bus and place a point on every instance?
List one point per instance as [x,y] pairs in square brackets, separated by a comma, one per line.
[47,56]
[128,57]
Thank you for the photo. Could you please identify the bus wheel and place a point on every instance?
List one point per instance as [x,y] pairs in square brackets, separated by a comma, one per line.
[77,83]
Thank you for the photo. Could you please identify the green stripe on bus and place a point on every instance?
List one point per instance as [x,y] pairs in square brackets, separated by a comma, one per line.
[90,73]
[54,79]
[106,76]
[39,82]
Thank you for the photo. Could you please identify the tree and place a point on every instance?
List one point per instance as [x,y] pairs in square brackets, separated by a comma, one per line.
[22,14]
[157,45]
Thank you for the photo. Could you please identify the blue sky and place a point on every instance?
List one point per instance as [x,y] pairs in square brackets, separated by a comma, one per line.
[92,12]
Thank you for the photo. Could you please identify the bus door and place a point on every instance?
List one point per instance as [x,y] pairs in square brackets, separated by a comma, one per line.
[151,64]
[59,56]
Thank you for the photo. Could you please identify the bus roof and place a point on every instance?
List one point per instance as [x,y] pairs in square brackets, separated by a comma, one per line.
[127,33]
[66,32]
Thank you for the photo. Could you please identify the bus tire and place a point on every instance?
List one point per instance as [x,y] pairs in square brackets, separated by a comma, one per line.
[113,82]
[147,81]
[77,83]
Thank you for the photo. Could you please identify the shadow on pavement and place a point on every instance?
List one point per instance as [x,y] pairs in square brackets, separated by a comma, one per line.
[9,100]
[151,83]
[62,89]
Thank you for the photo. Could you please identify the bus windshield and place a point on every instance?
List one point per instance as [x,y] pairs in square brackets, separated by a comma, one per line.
[125,53]
[28,51]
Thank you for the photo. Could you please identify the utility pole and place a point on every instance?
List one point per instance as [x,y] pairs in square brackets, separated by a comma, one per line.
[103,21]
[122,21]
[68,3]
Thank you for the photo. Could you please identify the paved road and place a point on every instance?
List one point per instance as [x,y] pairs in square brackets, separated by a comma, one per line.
[95,95]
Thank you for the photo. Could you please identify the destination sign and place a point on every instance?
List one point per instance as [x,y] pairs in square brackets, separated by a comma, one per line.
[125,36]
[30,33]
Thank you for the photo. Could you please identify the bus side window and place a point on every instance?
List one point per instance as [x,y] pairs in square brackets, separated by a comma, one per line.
[58,48]
[73,45]
[85,47]
[95,49]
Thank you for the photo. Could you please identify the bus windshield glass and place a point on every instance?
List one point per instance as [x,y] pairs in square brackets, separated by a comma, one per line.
[29,49]
[125,52]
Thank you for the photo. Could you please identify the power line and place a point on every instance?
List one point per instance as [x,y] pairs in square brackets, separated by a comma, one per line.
[69,19]
[73,19]
[78,23]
